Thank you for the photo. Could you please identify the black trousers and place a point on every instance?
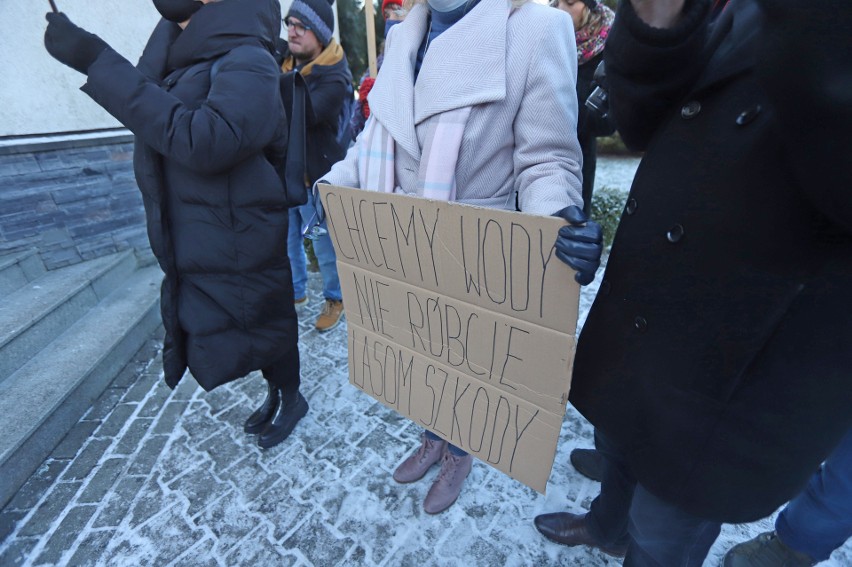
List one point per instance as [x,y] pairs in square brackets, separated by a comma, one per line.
[658,534]
[285,373]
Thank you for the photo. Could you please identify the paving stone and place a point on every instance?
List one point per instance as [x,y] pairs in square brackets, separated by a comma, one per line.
[156,401]
[168,419]
[201,488]
[17,552]
[139,389]
[230,520]
[199,555]
[223,450]
[116,420]
[50,509]
[149,501]
[74,440]
[39,483]
[148,455]
[8,521]
[103,480]
[318,543]
[66,534]
[116,505]
[256,549]
[173,535]
[86,460]
[92,548]
[249,478]
[104,404]
[132,438]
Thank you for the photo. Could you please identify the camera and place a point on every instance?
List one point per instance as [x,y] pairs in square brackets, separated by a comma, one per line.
[598,101]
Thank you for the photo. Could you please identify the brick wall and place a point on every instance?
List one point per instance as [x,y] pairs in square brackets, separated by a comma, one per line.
[71,203]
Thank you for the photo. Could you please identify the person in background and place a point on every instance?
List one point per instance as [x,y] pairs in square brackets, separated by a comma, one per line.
[393,13]
[812,525]
[714,363]
[592,22]
[496,107]
[312,51]
[204,104]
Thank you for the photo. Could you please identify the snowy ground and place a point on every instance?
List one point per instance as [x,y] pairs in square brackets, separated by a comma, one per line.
[158,477]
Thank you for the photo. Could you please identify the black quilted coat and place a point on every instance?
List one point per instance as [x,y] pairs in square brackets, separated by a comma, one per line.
[216,211]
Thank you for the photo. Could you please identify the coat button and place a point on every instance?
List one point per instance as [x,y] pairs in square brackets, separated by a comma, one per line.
[747,116]
[605,288]
[640,324]
[690,109]
[631,206]
[675,233]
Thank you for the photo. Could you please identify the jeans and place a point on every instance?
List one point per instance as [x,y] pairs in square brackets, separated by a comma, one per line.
[300,218]
[450,447]
[658,534]
[819,519]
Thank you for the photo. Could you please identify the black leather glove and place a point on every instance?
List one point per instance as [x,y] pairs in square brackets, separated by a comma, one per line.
[580,244]
[70,44]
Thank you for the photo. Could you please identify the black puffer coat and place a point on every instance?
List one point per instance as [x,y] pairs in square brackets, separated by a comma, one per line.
[718,352]
[216,210]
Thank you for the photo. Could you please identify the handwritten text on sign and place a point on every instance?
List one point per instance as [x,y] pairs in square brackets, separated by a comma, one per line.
[460,318]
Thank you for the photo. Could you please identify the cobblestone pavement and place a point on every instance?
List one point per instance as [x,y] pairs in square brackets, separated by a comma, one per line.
[151,476]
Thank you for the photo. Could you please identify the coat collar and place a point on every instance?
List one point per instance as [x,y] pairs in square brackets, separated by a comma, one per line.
[464,66]
[734,33]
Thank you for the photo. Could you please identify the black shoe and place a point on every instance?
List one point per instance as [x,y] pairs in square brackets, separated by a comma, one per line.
[286,417]
[570,529]
[262,415]
[588,462]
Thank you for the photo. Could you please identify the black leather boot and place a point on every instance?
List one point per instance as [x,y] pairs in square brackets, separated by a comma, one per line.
[287,415]
[262,415]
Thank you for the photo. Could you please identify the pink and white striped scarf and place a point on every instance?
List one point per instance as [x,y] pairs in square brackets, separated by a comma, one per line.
[436,176]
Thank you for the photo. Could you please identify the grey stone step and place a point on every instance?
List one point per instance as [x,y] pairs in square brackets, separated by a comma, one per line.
[17,269]
[43,399]
[38,312]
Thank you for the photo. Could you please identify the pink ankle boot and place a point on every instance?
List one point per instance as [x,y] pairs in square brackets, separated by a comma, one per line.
[447,487]
[415,466]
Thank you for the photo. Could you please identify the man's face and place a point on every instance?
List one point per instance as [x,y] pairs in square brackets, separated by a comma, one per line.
[304,45]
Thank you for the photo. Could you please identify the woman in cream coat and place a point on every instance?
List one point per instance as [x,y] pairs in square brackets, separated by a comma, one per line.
[505,74]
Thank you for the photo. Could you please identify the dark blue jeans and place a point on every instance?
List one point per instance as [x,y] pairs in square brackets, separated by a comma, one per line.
[819,519]
[658,534]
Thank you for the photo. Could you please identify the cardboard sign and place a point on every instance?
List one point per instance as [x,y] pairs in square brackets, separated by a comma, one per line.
[460,318]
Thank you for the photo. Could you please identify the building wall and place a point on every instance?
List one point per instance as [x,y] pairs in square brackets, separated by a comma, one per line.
[41,96]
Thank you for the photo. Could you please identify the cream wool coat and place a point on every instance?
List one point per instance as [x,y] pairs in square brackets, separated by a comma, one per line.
[517,68]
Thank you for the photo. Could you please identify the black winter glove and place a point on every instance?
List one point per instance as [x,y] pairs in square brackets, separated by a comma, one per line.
[70,44]
[580,244]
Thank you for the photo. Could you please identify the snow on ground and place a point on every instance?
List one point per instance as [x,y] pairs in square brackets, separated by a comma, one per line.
[158,477]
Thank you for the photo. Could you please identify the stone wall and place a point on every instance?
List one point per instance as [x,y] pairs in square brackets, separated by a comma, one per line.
[71,201]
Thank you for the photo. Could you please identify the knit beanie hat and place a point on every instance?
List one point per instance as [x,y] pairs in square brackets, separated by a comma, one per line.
[386,2]
[592,4]
[317,14]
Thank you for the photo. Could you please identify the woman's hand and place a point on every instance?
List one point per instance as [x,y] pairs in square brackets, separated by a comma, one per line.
[658,13]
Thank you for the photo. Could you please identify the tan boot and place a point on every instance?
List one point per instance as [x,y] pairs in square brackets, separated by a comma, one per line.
[447,487]
[330,317]
[415,466]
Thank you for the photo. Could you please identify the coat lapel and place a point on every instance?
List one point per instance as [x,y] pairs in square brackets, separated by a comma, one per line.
[735,53]
[476,75]
[465,65]
[392,97]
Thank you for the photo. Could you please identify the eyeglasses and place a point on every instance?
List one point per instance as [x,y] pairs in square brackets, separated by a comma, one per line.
[298,27]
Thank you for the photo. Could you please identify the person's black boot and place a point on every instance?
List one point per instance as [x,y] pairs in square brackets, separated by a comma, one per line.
[287,415]
[262,415]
